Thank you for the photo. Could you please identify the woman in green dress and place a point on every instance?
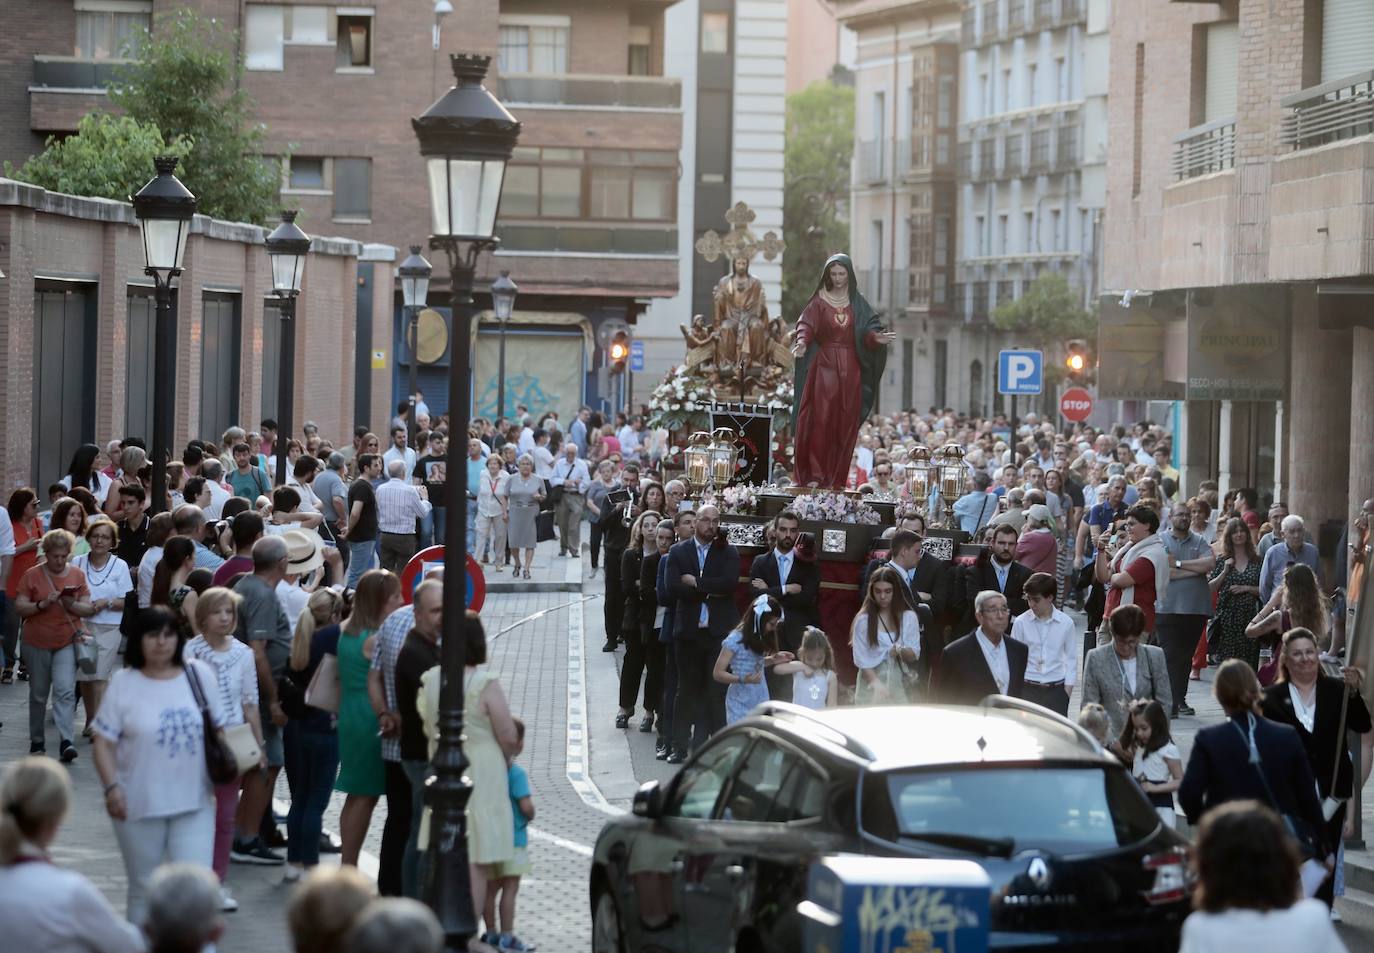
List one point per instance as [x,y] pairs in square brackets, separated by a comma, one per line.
[362,776]
[1235,580]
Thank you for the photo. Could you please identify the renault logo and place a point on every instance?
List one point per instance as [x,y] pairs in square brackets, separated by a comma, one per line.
[1039,873]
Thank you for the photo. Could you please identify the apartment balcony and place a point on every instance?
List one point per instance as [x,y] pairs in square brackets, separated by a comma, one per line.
[577,258]
[587,91]
[1205,149]
[581,110]
[65,88]
[1197,224]
[1320,207]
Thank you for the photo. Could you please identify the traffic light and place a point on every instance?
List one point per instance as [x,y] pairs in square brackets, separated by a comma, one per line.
[619,352]
[1076,360]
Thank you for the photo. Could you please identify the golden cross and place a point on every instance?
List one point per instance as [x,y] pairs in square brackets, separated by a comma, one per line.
[740,241]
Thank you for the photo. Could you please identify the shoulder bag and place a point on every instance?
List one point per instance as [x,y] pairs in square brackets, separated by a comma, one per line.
[84,647]
[1301,831]
[221,763]
[324,689]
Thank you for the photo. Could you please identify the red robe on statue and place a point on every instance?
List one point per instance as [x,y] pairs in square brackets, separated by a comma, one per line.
[832,404]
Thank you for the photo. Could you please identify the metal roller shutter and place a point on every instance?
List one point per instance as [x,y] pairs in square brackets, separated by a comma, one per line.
[1347,38]
[1222,71]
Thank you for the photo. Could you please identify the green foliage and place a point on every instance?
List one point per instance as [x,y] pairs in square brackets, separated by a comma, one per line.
[184,80]
[820,144]
[1048,314]
[109,157]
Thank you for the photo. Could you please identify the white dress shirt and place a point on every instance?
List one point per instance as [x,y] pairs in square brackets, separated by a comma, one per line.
[996,656]
[1053,646]
[543,462]
[398,507]
[406,456]
[6,534]
[573,477]
[702,550]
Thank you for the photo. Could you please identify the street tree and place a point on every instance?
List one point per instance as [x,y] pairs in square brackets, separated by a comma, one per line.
[183,78]
[820,144]
[1048,315]
[108,157]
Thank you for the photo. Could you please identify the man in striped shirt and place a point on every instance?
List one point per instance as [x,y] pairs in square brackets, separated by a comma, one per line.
[399,505]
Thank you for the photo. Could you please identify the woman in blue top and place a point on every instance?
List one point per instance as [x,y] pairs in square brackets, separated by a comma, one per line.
[744,654]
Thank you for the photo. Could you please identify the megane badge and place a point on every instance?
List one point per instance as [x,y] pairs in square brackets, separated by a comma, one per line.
[1039,873]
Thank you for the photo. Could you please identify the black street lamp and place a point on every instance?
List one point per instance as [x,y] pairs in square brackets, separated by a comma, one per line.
[466,138]
[164,208]
[503,292]
[287,247]
[414,273]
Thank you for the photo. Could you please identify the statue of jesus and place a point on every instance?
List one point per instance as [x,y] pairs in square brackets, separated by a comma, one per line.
[741,320]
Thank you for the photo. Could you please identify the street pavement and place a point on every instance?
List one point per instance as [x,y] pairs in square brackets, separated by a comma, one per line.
[546,646]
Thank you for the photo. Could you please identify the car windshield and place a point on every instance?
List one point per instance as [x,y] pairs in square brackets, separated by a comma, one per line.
[1059,809]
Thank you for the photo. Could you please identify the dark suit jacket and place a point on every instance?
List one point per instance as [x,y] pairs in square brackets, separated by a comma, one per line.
[799,609]
[932,576]
[665,598]
[1326,742]
[963,676]
[1219,770]
[980,577]
[715,585]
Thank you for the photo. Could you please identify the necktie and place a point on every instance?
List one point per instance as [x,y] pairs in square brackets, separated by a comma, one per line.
[784,564]
[703,620]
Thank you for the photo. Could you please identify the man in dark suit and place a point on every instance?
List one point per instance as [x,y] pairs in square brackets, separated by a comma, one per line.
[702,572]
[984,662]
[796,584]
[925,581]
[1000,572]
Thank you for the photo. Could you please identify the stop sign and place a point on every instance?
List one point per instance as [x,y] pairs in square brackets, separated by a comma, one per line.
[1076,404]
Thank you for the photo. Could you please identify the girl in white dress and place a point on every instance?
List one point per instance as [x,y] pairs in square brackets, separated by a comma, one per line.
[814,684]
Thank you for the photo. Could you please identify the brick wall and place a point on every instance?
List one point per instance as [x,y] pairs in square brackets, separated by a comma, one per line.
[47,234]
[27,27]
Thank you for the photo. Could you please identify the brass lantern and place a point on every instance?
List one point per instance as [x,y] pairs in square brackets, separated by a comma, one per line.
[918,475]
[698,460]
[953,476]
[723,456]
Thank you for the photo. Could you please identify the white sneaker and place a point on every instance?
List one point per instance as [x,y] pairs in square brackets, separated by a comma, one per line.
[291,873]
[227,903]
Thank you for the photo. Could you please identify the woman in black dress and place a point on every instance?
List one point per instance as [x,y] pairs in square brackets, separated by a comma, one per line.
[1322,708]
[631,564]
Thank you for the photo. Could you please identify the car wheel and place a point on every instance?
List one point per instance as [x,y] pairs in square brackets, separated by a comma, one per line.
[606,935]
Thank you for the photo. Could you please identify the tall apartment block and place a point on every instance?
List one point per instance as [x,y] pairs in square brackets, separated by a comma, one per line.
[1024,207]
[904,194]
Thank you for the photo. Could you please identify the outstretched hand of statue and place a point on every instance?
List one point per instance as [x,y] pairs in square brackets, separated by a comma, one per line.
[887,337]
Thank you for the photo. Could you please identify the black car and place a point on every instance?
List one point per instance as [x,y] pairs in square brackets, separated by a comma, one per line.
[717,859]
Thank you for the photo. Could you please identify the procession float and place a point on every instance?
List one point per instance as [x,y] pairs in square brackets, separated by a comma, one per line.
[763,416]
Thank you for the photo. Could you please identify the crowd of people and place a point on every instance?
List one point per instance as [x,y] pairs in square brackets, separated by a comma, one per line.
[251,628]
[274,613]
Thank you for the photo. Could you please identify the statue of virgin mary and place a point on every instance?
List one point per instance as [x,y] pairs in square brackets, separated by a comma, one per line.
[841,349]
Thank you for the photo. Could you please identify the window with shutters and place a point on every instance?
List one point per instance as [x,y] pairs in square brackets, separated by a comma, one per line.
[1347,38]
[1219,94]
[264,32]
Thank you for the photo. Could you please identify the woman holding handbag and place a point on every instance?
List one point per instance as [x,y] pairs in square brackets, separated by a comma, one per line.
[886,638]
[150,753]
[236,681]
[53,598]
[312,743]
[109,580]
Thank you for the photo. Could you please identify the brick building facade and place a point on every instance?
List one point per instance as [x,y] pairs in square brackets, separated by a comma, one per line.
[1239,216]
[589,214]
[76,328]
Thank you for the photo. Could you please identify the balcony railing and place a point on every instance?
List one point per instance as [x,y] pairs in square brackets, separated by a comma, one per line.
[1340,109]
[588,239]
[568,89]
[1205,149]
[74,72]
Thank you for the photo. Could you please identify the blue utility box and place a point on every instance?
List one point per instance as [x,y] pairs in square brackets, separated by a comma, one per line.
[895,905]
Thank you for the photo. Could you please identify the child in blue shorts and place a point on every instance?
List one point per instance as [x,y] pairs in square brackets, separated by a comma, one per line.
[506,882]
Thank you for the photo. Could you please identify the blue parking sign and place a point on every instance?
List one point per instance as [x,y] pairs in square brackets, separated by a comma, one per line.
[1020,372]
[637,357]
